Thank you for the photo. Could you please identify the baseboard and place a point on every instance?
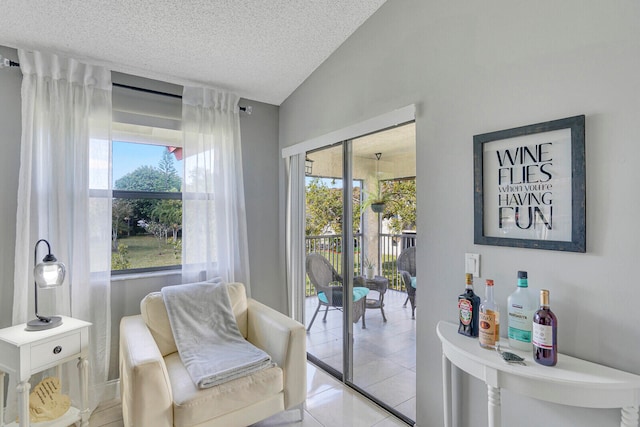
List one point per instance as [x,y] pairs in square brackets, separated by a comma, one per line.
[109,391]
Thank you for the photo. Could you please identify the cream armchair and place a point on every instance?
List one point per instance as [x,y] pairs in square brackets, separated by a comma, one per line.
[157,391]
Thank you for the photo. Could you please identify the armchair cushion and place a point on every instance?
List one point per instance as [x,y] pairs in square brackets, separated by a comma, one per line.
[358,293]
[192,406]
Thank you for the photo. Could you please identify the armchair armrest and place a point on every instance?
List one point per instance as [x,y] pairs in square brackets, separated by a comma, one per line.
[284,339]
[144,381]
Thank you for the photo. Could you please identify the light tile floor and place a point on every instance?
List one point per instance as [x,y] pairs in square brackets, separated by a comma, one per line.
[384,357]
[329,404]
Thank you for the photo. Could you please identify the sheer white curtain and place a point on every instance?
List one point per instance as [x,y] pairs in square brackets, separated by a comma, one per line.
[214,226]
[65,150]
[294,234]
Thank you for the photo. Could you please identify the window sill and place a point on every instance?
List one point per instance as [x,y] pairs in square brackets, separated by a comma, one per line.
[144,275]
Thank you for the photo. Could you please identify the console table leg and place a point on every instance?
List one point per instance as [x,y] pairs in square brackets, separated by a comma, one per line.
[494,406]
[23,402]
[629,416]
[83,369]
[446,390]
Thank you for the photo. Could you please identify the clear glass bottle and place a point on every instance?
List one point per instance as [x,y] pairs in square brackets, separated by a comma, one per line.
[489,327]
[545,333]
[521,305]
[468,309]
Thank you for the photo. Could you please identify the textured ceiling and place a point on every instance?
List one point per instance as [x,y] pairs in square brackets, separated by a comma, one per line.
[260,49]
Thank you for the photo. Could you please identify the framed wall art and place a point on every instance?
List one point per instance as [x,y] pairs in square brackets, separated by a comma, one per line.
[529,186]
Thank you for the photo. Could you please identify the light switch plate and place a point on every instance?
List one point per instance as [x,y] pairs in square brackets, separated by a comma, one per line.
[472,264]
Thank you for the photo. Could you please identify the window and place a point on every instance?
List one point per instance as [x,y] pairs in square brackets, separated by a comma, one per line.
[147,199]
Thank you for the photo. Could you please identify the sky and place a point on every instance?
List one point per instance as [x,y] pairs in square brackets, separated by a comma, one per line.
[128,156]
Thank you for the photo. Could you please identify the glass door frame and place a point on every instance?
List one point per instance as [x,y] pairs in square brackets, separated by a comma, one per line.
[347,261]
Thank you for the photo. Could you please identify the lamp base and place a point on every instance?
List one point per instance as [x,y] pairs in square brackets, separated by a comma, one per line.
[40,325]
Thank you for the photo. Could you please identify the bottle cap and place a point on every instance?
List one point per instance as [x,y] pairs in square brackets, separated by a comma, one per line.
[469,278]
[544,297]
[489,282]
[522,279]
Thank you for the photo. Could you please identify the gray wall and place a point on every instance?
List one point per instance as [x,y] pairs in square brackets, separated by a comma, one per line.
[260,159]
[10,131]
[485,66]
[10,81]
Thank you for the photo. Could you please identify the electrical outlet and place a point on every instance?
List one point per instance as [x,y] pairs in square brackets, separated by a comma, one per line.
[472,264]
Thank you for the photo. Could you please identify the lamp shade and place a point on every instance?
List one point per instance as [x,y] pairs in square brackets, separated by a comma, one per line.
[49,272]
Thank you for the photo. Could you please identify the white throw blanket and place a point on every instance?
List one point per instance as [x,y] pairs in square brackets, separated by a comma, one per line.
[209,342]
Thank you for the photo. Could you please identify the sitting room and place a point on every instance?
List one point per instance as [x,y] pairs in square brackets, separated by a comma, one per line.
[149,147]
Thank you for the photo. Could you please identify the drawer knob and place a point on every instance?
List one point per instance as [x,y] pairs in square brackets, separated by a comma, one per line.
[57,349]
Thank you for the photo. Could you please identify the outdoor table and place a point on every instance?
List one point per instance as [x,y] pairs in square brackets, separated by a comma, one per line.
[379,284]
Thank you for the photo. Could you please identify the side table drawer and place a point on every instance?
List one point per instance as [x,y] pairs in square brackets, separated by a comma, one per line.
[53,350]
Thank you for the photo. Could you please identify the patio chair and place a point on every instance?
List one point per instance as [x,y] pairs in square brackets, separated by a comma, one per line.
[328,284]
[406,263]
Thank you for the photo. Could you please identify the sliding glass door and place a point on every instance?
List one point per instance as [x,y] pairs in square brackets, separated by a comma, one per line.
[360,215]
[383,354]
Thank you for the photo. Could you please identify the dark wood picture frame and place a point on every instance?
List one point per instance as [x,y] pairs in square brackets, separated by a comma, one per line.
[510,164]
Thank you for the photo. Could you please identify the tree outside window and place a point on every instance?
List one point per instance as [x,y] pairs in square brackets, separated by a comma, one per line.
[147,215]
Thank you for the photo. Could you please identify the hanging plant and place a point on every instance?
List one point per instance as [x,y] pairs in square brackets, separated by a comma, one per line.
[378,207]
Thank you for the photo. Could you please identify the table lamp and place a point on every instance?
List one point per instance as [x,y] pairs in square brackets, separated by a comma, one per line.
[48,274]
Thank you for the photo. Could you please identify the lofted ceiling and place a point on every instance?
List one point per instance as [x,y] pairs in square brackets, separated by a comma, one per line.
[260,49]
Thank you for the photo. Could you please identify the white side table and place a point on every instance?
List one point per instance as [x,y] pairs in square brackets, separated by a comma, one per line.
[572,381]
[24,353]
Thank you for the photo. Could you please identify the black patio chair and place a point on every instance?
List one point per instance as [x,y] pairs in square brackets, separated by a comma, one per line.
[406,263]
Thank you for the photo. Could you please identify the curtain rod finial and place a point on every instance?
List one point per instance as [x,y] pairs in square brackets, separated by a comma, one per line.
[6,62]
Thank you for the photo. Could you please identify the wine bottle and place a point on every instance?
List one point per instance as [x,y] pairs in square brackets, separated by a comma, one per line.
[489,327]
[545,333]
[468,308]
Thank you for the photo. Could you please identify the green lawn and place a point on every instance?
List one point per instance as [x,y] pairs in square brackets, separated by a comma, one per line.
[145,252]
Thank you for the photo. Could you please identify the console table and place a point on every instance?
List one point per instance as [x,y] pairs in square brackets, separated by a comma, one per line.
[572,381]
[24,353]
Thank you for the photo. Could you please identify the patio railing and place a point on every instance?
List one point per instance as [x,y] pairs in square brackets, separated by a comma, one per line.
[389,247]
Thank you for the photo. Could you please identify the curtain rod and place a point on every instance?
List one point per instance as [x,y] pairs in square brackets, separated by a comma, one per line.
[5,62]
[171,95]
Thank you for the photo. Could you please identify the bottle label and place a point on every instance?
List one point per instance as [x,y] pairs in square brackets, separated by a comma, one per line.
[465,307]
[520,322]
[488,328]
[543,336]
[519,334]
